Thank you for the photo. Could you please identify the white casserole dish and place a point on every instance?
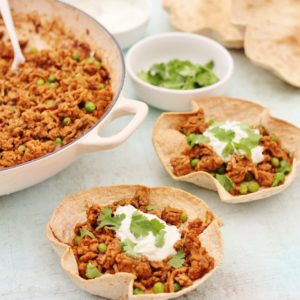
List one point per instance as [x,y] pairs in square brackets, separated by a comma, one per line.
[87,29]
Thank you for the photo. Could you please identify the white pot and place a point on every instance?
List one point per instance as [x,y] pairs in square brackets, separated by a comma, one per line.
[22,176]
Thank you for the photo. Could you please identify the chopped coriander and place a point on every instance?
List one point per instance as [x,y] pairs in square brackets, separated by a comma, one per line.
[180,75]
[243,147]
[141,226]
[177,260]
[160,239]
[194,162]
[222,134]
[228,150]
[197,139]
[225,181]
[21,148]
[284,168]
[92,271]
[177,287]
[128,248]
[279,178]
[84,232]
[221,170]
[106,219]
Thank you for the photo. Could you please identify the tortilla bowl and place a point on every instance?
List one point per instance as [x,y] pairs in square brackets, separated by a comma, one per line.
[169,142]
[60,232]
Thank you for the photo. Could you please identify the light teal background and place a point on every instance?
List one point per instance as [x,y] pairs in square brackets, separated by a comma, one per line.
[262,239]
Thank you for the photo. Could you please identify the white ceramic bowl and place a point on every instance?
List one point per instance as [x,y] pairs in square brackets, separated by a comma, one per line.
[184,46]
[126,38]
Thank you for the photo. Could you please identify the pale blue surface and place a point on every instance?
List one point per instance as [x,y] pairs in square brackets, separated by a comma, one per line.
[262,239]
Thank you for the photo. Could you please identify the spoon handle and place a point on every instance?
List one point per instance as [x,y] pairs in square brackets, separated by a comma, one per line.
[8,21]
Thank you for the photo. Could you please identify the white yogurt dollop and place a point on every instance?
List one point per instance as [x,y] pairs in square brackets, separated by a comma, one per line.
[146,245]
[115,15]
[237,127]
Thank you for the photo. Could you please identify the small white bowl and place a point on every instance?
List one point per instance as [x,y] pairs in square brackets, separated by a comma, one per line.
[183,46]
[126,38]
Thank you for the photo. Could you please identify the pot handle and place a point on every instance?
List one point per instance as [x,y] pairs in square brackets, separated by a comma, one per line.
[94,142]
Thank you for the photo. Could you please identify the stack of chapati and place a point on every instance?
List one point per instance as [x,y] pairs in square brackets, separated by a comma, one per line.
[268,30]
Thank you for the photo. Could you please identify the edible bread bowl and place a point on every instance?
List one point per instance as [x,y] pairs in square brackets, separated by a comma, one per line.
[88,30]
[60,233]
[169,142]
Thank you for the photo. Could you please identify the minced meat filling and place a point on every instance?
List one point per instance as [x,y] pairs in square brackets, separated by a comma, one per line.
[53,99]
[243,174]
[102,252]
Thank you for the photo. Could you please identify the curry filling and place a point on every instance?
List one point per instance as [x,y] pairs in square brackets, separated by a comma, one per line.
[242,158]
[100,246]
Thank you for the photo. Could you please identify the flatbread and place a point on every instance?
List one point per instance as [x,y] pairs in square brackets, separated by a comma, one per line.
[60,232]
[210,18]
[272,38]
[169,142]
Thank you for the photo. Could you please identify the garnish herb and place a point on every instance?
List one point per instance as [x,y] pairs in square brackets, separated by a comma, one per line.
[128,248]
[225,181]
[197,139]
[177,260]
[141,226]
[246,149]
[106,219]
[228,150]
[160,239]
[85,232]
[284,168]
[92,271]
[222,134]
[180,75]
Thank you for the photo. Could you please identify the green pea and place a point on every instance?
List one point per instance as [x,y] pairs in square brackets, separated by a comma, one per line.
[243,188]
[274,138]
[76,55]
[77,239]
[158,288]
[90,107]
[275,162]
[67,121]
[50,102]
[98,64]
[32,50]
[177,287]
[21,148]
[53,85]
[253,187]
[101,86]
[90,59]
[221,170]
[183,217]
[190,138]
[51,79]
[138,291]
[40,82]
[210,122]
[194,162]
[249,176]
[102,248]
[58,141]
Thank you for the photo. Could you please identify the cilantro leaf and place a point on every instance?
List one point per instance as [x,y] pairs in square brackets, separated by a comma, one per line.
[222,134]
[128,248]
[240,146]
[85,232]
[92,271]
[251,141]
[177,260]
[106,219]
[160,239]
[151,207]
[228,150]
[141,226]
[180,74]
[225,181]
[279,178]
[284,168]
[197,139]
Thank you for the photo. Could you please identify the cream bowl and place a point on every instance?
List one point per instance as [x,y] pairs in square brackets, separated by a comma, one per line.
[183,46]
